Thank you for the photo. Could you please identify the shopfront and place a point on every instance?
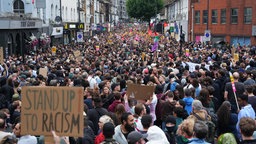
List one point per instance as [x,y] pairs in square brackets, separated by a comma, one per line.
[16,35]
[70,31]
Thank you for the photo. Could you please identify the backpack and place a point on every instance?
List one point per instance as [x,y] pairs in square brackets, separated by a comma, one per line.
[211,129]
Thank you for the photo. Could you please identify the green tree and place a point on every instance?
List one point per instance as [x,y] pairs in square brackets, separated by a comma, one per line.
[144,9]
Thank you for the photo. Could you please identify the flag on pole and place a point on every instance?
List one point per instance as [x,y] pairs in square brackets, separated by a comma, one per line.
[154,47]
[156,39]
[234,88]
[232,82]
[149,31]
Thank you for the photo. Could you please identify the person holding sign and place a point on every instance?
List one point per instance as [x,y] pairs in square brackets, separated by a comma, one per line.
[231,91]
[23,139]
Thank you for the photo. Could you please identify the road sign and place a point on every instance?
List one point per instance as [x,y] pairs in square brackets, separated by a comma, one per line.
[207,35]
[80,37]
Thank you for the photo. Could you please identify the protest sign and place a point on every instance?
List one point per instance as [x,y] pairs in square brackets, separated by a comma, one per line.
[54,49]
[52,108]
[43,72]
[143,54]
[236,57]
[187,52]
[77,53]
[97,48]
[1,55]
[140,92]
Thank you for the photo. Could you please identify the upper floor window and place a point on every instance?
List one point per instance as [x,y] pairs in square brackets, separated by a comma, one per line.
[197,17]
[52,17]
[205,16]
[234,16]
[214,16]
[18,6]
[223,16]
[247,15]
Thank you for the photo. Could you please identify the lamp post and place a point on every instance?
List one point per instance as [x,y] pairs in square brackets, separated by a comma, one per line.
[207,25]
[192,23]
[39,44]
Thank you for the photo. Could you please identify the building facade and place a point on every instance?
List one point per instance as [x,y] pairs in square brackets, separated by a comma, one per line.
[18,24]
[122,13]
[176,13]
[228,20]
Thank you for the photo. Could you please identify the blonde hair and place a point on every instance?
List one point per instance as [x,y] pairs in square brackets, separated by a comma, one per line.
[187,127]
[105,119]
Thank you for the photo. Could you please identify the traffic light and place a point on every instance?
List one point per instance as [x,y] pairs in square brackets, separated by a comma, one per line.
[182,38]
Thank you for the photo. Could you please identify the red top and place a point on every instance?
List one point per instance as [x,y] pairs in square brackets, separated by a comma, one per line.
[99,138]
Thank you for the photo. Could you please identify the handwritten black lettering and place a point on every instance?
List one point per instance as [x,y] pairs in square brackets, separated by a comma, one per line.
[44,123]
[29,101]
[34,121]
[67,120]
[27,120]
[75,123]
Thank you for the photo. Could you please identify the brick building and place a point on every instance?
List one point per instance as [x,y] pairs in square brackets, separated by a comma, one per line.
[231,20]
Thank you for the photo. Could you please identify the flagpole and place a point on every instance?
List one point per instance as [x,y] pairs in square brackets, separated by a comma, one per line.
[234,88]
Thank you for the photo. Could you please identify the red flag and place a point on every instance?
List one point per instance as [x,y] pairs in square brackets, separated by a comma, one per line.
[33,1]
[165,24]
[149,32]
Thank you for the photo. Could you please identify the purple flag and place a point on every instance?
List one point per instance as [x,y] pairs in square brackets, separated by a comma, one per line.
[154,47]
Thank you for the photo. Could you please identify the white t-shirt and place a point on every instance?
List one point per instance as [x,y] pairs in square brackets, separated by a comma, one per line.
[27,139]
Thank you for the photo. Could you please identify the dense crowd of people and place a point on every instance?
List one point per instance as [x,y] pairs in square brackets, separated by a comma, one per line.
[194,100]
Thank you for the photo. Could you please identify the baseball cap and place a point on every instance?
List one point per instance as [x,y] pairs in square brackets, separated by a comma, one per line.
[135,136]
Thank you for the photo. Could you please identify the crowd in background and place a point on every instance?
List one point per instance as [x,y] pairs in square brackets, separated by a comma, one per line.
[194,100]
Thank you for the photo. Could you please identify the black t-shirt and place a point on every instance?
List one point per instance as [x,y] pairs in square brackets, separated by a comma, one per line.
[240,89]
[252,101]
[125,135]
[248,141]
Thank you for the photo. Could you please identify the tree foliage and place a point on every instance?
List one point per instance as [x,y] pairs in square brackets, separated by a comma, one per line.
[144,9]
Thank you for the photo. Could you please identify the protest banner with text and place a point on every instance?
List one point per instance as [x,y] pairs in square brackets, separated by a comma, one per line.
[52,108]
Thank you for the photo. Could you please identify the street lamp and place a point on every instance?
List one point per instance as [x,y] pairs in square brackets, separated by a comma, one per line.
[39,44]
[207,25]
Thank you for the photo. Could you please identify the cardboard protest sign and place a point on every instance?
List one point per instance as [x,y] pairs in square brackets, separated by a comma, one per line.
[140,92]
[54,49]
[143,54]
[52,108]
[236,57]
[187,52]
[97,48]
[1,55]
[77,53]
[43,72]
[80,58]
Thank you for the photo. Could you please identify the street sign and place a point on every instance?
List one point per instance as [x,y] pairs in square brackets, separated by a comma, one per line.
[207,35]
[80,37]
